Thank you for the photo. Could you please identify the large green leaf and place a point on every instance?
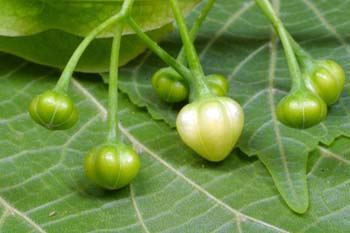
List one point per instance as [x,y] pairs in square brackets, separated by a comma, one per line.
[79,17]
[238,42]
[47,32]
[45,48]
[43,187]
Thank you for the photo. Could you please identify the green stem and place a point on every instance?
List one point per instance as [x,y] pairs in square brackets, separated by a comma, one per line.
[200,87]
[181,69]
[304,58]
[112,117]
[63,82]
[195,28]
[293,65]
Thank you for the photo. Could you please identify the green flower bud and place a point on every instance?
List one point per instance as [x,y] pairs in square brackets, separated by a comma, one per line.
[53,110]
[218,84]
[170,86]
[327,80]
[301,109]
[211,126]
[112,166]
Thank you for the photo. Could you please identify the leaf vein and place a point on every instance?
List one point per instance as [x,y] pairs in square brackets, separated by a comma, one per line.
[137,210]
[223,29]
[329,153]
[325,23]
[241,64]
[276,128]
[12,209]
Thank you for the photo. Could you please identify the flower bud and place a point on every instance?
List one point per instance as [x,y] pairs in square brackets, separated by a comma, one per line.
[112,166]
[301,109]
[170,86]
[211,126]
[327,80]
[53,110]
[218,84]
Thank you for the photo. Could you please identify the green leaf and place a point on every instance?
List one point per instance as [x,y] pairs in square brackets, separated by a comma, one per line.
[55,47]
[43,187]
[237,41]
[79,17]
[47,32]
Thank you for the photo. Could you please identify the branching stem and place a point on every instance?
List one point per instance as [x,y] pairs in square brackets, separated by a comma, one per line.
[195,28]
[181,69]
[199,88]
[63,82]
[294,69]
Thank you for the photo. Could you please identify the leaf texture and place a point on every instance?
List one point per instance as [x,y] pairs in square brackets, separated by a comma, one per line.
[237,41]
[42,182]
[43,187]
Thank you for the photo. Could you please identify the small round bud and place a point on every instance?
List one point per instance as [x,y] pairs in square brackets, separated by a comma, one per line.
[53,110]
[218,84]
[112,166]
[170,86]
[327,80]
[301,109]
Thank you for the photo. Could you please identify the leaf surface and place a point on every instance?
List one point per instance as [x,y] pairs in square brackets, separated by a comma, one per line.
[237,41]
[48,31]
[42,182]
[79,17]
[55,47]
[43,187]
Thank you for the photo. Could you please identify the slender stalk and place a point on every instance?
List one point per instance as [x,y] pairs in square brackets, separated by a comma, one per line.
[195,28]
[200,87]
[112,117]
[63,82]
[181,69]
[293,65]
[304,58]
